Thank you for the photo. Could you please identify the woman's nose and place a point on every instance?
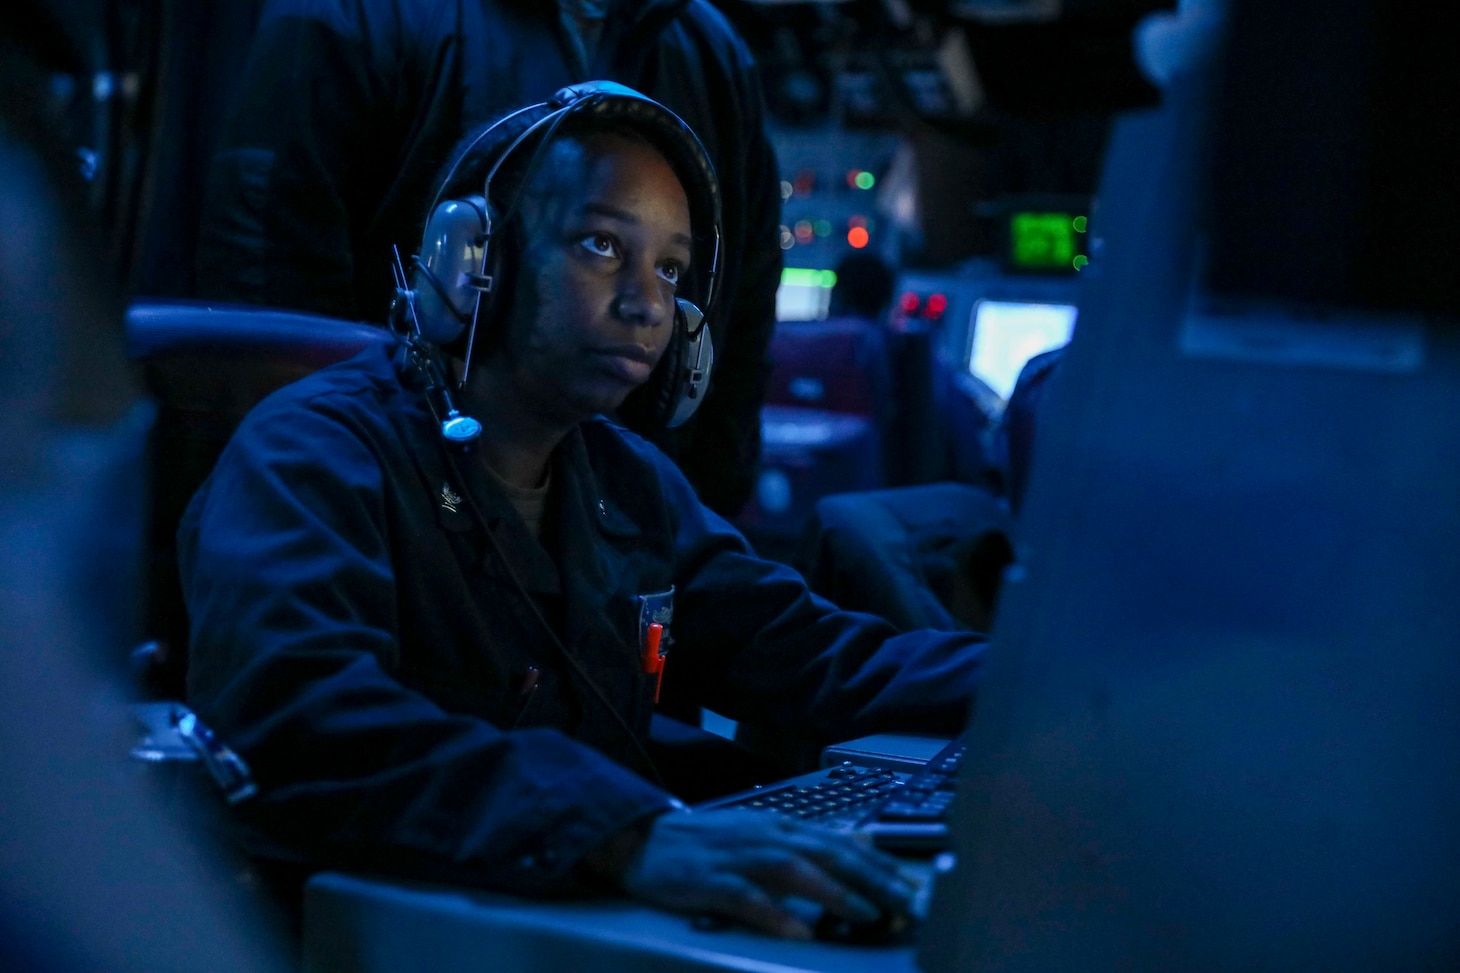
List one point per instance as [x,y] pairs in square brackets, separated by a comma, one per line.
[642,297]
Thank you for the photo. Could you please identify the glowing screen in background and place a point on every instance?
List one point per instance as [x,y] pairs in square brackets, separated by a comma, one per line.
[1005,335]
[804,294]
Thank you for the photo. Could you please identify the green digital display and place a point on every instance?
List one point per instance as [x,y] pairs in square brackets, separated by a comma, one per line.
[805,277]
[1044,242]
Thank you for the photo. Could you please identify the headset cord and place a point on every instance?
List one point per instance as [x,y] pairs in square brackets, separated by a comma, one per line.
[439,288]
[542,620]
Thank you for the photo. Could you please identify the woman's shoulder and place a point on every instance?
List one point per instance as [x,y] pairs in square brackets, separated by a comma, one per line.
[605,438]
[625,463]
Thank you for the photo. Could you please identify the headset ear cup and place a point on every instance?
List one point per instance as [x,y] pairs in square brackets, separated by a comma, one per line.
[665,392]
[447,268]
[496,303]
[694,360]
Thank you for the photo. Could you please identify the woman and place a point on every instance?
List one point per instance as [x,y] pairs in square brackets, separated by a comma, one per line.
[437,652]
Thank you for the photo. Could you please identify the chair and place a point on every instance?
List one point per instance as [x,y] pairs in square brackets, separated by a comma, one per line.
[1015,435]
[929,556]
[839,365]
[824,426]
[206,365]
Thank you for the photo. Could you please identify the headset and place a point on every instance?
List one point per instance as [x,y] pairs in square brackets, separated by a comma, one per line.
[463,266]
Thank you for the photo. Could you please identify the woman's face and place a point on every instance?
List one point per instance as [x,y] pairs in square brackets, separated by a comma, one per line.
[605,252]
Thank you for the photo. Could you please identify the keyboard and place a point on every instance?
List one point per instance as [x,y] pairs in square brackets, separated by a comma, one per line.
[899,811]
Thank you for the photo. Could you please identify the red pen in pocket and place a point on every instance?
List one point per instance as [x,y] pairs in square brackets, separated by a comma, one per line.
[653,661]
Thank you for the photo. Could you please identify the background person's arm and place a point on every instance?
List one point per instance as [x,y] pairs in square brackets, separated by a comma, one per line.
[724,459]
[306,156]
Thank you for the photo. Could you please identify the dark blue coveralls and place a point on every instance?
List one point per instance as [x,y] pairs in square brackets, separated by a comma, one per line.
[361,643]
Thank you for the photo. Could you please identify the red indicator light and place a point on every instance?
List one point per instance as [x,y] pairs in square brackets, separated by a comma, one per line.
[857,237]
[937,304]
[909,302]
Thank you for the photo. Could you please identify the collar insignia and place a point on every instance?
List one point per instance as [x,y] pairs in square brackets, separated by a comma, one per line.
[449,498]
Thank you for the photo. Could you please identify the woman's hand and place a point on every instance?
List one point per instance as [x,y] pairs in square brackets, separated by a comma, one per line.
[743,864]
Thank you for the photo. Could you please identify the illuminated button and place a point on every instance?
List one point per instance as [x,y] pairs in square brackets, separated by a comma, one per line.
[858,237]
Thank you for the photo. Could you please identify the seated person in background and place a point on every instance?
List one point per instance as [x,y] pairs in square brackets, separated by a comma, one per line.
[864,285]
[1014,437]
[437,658]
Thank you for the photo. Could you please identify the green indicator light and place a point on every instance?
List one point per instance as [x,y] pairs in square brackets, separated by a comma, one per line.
[865,180]
[1080,262]
[1080,224]
[822,227]
[828,278]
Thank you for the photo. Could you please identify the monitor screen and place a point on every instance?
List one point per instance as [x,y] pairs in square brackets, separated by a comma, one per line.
[1003,335]
[1046,242]
[804,294]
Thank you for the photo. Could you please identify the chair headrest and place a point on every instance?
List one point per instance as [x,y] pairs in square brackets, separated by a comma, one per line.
[164,329]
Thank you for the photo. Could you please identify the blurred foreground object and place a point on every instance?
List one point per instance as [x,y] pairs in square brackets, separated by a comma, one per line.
[92,876]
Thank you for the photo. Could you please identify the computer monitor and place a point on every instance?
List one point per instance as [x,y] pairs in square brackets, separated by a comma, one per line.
[1046,243]
[1216,728]
[1003,335]
[804,294]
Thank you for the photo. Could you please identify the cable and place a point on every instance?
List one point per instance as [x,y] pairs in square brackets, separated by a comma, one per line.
[542,620]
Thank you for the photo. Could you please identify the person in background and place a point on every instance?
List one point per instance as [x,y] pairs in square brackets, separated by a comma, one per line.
[348,108]
[442,661]
[864,284]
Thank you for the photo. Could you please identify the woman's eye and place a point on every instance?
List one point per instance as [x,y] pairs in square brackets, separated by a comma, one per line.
[599,243]
[670,272]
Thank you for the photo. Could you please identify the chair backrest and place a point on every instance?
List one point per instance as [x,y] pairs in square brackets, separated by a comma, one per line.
[1015,435]
[207,365]
[839,365]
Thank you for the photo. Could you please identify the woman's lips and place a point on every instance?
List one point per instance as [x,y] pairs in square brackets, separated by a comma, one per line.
[631,363]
